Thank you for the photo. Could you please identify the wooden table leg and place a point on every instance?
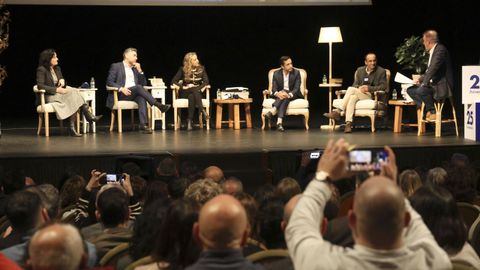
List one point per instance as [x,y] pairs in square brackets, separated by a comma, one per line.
[248,115]
[236,117]
[397,123]
[230,115]
[219,116]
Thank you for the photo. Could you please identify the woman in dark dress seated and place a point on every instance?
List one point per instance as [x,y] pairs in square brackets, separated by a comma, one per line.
[66,100]
[192,79]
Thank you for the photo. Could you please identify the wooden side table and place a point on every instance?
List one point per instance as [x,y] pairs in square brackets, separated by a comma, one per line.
[88,95]
[233,112]
[330,102]
[158,92]
[397,122]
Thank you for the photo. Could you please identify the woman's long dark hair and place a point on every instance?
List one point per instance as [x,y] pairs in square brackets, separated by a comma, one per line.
[175,244]
[46,58]
[439,211]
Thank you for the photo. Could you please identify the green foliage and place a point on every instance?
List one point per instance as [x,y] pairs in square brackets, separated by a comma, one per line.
[411,55]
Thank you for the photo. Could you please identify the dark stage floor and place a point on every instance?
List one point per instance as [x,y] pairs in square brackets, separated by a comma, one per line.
[25,143]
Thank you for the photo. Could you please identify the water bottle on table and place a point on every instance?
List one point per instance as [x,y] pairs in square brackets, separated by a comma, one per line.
[92,83]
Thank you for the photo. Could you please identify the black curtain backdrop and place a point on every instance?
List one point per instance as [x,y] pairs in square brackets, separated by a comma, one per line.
[238,45]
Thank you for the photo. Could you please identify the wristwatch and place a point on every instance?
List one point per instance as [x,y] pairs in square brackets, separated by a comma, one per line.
[322,176]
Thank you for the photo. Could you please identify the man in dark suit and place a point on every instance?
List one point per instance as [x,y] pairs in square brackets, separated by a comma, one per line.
[437,82]
[285,88]
[129,78]
[368,79]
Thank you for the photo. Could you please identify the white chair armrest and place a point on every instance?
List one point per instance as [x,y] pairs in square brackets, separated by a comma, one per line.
[112,88]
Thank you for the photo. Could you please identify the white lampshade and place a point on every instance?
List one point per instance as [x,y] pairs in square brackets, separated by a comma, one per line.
[330,34]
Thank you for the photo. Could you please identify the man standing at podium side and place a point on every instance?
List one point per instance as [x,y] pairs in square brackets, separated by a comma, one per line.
[437,82]
[285,88]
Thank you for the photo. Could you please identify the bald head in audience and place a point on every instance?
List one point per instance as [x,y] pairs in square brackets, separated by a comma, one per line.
[222,224]
[379,214]
[56,247]
[232,185]
[288,210]
[214,173]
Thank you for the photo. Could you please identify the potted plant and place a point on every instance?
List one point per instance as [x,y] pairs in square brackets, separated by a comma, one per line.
[411,55]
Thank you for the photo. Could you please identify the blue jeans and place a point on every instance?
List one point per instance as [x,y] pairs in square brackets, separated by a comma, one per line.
[423,94]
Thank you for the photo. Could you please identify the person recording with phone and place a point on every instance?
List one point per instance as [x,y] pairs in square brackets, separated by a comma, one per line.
[66,100]
[128,77]
[368,79]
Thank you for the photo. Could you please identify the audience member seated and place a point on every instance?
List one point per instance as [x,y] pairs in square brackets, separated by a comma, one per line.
[214,173]
[387,231]
[24,211]
[287,188]
[139,187]
[439,211]
[270,216]
[264,192]
[13,180]
[175,247]
[56,247]
[167,170]
[409,181]
[191,171]
[436,177]
[461,182]
[222,230]
[232,185]
[155,190]
[176,188]
[251,208]
[203,190]
[145,230]
[70,193]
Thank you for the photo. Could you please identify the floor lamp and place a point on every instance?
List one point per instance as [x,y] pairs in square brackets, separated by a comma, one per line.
[330,35]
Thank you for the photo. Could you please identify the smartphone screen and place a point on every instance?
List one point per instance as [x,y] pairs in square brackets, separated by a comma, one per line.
[366,160]
[114,178]
[315,154]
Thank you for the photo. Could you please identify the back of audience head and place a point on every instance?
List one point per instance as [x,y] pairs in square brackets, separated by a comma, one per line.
[56,247]
[270,216]
[155,190]
[131,168]
[147,227]
[167,167]
[250,205]
[139,187]
[203,190]
[222,224]
[24,210]
[214,173]
[409,181]
[379,214]
[232,185]
[112,206]
[264,192]
[71,190]
[49,198]
[439,211]
[176,187]
[190,170]
[175,243]
[14,180]
[436,176]
[460,160]
[287,188]
[461,182]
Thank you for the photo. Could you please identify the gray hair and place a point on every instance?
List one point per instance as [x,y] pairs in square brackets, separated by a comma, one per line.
[127,50]
[203,190]
[432,35]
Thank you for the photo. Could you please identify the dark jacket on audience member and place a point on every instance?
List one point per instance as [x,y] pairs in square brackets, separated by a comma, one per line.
[377,79]
[111,238]
[231,259]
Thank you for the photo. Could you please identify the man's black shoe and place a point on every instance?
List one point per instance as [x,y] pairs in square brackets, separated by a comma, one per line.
[280,127]
[145,129]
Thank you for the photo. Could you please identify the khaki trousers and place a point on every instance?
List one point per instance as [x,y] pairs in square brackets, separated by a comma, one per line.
[349,101]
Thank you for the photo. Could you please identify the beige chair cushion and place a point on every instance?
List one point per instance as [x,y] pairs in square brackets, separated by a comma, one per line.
[183,103]
[298,103]
[48,108]
[126,105]
[366,104]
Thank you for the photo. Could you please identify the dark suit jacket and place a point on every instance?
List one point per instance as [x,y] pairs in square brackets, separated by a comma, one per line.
[230,259]
[440,72]
[117,78]
[45,79]
[377,80]
[293,83]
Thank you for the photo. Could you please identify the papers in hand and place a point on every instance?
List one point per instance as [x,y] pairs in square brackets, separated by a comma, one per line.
[400,78]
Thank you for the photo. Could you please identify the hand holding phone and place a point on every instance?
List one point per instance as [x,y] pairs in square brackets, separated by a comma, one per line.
[366,160]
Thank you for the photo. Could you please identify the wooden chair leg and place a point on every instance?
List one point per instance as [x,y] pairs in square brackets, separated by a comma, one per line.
[119,120]
[39,124]
[112,121]
[132,119]
[334,124]
[454,116]
[438,120]
[175,118]
[263,120]
[372,120]
[208,118]
[78,121]
[47,124]
[306,118]
[420,122]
